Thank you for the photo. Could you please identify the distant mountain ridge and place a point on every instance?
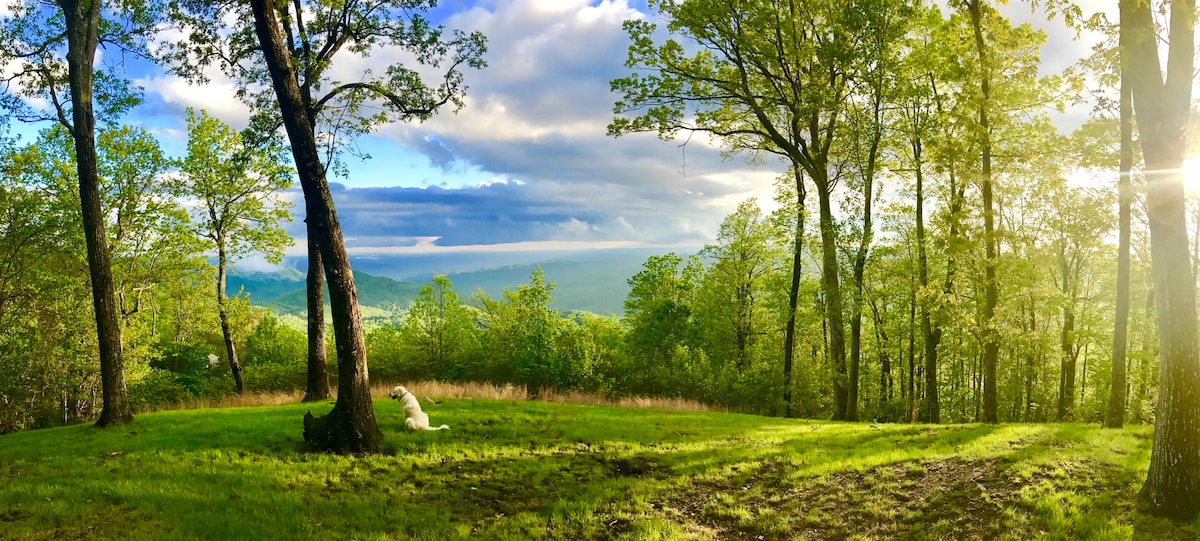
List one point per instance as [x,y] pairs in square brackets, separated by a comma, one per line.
[598,284]
[285,292]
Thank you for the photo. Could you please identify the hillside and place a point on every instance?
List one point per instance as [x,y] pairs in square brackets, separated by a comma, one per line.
[599,286]
[531,470]
[284,291]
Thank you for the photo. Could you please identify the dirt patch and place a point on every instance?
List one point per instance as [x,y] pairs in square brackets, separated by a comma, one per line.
[14,514]
[948,499]
[633,466]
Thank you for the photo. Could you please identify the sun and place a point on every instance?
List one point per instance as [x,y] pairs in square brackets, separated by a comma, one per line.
[1191,175]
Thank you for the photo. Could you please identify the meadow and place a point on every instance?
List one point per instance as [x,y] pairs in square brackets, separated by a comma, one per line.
[512,468]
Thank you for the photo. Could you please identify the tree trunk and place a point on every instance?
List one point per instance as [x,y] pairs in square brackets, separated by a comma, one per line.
[351,425]
[1066,376]
[885,361]
[833,302]
[1115,417]
[82,21]
[318,368]
[1030,363]
[991,340]
[1172,486]
[860,258]
[1070,351]
[235,367]
[931,327]
[931,412]
[789,337]
[913,396]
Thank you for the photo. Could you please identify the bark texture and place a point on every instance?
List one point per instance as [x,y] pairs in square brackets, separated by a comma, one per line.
[833,302]
[318,367]
[351,425]
[82,20]
[1115,415]
[1172,486]
[991,340]
[789,337]
[235,366]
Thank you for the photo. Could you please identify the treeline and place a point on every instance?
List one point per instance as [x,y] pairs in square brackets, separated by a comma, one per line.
[167,216]
[711,327]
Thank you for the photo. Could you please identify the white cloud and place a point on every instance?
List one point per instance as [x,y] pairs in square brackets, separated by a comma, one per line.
[576,227]
[219,97]
[527,246]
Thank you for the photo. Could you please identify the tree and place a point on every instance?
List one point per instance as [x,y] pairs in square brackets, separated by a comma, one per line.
[337,110]
[991,341]
[317,382]
[439,330]
[1115,415]
[54,49]
[523,331]
[148,231]
[1076,221]
[865,128]
[762,81]
[734,285]
[919,105]
[658,312]
[238,187]
[1162,107]
[797,217]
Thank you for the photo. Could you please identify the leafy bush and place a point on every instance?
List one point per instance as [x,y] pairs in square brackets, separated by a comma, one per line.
[276,377]
[274,343]
[157,388]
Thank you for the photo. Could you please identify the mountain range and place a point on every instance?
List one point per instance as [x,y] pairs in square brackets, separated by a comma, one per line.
[597,284]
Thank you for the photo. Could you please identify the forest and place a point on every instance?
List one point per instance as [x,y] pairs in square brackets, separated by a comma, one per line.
[939,249]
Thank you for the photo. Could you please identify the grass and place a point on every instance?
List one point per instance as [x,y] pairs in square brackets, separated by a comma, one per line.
[518,469]
[446,390]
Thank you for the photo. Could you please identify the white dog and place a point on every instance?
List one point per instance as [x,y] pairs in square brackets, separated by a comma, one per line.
[414,418]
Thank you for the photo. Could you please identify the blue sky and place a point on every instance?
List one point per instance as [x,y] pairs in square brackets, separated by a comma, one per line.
[526,164]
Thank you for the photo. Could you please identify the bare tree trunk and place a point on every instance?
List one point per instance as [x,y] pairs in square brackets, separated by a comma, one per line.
[351,425]
[82,21]
[1030,363]
[913,395]
[789,337]
[1172,486]
[991,340]
[931,413]
[223,309]
[833,302]
[318,368]
[1066,375]
[885,360]
[1115,418]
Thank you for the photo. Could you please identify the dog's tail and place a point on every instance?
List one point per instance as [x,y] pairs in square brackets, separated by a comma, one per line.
[443,427]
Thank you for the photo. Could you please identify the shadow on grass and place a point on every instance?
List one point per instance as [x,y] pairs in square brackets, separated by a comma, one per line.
[531,470]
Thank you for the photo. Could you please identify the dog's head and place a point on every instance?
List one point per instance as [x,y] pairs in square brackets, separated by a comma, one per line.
[398,392]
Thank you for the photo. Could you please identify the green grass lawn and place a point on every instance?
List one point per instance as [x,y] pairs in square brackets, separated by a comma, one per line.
[522,470]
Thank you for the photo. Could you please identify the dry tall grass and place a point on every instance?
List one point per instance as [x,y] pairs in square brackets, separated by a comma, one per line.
[472,389]
[231,401]
[440,389]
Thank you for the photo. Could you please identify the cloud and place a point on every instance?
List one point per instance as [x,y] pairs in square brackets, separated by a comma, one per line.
[527,157]
[172,95]
[497,213]
[538,115]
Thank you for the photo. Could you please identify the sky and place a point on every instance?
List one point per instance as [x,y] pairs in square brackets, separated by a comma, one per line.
[525,165]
